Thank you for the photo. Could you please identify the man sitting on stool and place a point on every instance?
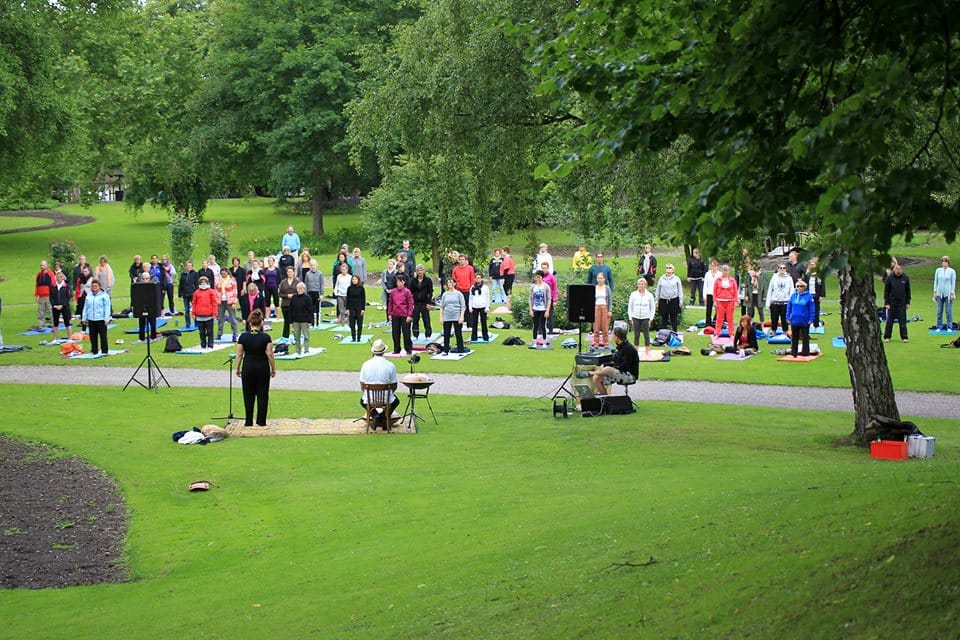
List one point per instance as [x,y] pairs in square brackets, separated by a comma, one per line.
[379,370]
[625,366]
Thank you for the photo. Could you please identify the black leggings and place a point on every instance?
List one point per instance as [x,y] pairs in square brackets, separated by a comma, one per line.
[508,282]
[778,316]
[479,317]
[540,324]
[711,318]
[315,298]
[670,313]
[356,324]
[273,296]
[458,330]
[755,306]
[420,311]
[798,333]
[98,335]
[205,327]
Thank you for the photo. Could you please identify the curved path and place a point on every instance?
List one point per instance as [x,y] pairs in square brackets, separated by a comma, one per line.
[58,220]
[911,403]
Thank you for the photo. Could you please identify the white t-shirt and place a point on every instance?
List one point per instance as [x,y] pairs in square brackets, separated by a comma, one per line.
[378,370]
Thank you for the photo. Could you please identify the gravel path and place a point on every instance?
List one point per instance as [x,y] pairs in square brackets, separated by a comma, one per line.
[57,220]
[911,403]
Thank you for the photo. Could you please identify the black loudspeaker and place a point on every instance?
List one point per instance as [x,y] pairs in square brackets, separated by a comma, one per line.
[147,299]
[580,302]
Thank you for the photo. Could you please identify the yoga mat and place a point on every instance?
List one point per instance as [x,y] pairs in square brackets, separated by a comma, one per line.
[363,340]
[450,356]
[800,358]
[779,338]
[839,342]
[93,356]
[297,356]
[655,355]
[197,351]
[434,337]
[226,338]
[733,356]
[726,342]
[324,326]
[818,330]
[187,328]
[480,340]
[933,332]
[546,346]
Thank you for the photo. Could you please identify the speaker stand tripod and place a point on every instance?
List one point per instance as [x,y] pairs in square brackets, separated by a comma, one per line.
[153,380]
[229,364]
[561,406]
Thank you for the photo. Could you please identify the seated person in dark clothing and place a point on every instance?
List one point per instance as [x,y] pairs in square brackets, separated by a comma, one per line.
[625,367]
[745,339]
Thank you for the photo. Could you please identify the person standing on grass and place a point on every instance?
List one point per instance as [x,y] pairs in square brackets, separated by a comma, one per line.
[944,293]
[287,260]
[78,268]
[598,269]
[148,321]
[497,296]
[301,317]
[288,289]
[189,279]
[778,295]
[411,259]
[238,273]
[60,298]
[45,280]
[581,261]
[136,268]
[695,272]
[815,288]
[543,255]
[800,315]
[539,306]
[248,264]
[452,310]
[313,278]
[400,312]
[290,241]
[251,300]
[359,265]
[640,309]
[794,268]
[215,268]
[81,288]
[168,273]
[708,279]
[647,267]
[464,275]
[341,284]
[755,292]
[205,304]
[896,300]
[227,308]
[725,294]
[625,368]
[669,295]
[255,367]
[388,280]
[551,281]
[421,286]
[602,308]
[96,315]
[479,306]
[271,283]
[509,272]
[356,306]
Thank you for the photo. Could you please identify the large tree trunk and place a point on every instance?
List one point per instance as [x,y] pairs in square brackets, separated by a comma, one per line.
[866,359]
[320,195]
[435,254]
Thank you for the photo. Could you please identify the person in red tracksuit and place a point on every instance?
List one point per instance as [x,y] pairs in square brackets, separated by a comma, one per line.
[463,276]
[725,296]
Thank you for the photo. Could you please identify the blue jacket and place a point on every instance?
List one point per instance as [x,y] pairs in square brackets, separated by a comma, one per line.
[800,308]
[97,307]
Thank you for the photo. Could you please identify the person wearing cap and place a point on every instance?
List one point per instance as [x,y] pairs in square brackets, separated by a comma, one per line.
[944,293]
[800,316]
[597,269]
[379,370]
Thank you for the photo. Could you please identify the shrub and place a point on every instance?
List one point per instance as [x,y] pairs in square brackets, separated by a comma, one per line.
[181,240]
[219,243]
[316,245]
[65,252]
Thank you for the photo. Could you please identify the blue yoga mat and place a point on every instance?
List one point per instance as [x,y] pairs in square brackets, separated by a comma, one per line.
[839,342]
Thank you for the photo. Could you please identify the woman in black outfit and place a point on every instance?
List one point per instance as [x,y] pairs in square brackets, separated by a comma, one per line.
[356,302]
[255,367]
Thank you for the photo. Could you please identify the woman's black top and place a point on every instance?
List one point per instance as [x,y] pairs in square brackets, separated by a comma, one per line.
[255,345]
[356,297]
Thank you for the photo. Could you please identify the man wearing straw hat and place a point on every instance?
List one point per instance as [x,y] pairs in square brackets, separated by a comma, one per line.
[379,370]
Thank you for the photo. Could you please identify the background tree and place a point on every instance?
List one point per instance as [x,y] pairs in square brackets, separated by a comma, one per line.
[833,112]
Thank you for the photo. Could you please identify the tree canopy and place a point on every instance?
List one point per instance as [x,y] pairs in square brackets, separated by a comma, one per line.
[840,117]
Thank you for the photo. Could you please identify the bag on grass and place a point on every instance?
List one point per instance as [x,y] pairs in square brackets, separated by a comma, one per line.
[68,349]
[173,343]
[953,344]
[281,348]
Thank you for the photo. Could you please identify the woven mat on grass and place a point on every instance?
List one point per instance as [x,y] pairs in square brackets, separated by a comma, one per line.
[309,427]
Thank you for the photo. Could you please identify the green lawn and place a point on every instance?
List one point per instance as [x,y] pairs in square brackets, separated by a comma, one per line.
[502,522]
[17,222]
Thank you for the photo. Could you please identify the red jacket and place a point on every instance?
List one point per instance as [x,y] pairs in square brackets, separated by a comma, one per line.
[463,276]
[729,293]
[400,303]
[206,302]
[46,280]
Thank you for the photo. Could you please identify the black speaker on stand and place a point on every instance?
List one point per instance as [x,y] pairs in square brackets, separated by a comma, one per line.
[146,303]
[580,308]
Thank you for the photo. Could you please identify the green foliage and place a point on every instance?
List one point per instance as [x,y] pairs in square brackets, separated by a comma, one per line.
[65,252]
[421,201]
[181,240]
[328,243]
[220,243]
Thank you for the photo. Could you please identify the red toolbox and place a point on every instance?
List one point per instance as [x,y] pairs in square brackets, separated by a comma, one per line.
[888,450]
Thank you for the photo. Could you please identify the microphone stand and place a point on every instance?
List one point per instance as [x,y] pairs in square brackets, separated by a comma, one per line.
[229,363]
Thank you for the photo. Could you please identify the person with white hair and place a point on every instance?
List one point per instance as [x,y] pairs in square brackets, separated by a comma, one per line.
[543,255]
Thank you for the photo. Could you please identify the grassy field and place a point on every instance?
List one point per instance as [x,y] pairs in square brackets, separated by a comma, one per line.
[676,523]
